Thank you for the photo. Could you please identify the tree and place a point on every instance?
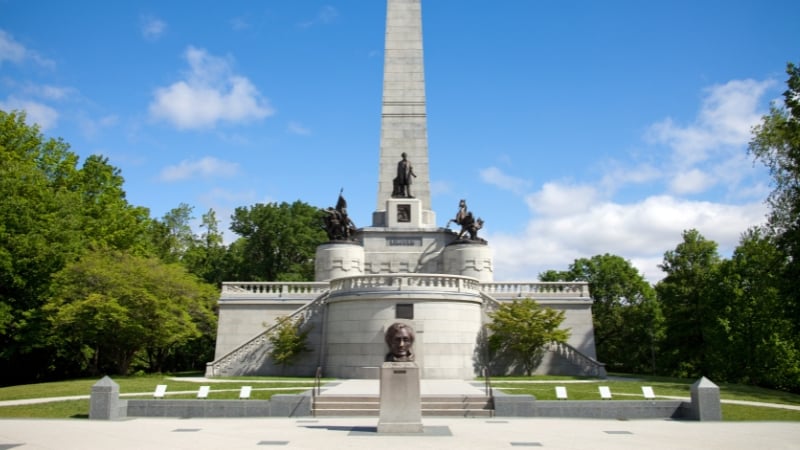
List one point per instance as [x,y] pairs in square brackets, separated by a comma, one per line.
[288,341]
[776,143]
[109,310]
[689,308]
[521,329]
[279,241]
[51,212]
[207,256]
[758,347]
[628,323]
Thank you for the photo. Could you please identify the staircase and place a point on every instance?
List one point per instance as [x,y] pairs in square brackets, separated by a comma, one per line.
[432,406]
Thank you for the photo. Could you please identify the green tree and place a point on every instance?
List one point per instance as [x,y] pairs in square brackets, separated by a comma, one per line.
[688,304]
[172,235]
[776,143]
[207,256]
[521,329]
[40,230]
[279,241]
[758,346]
[288,341]
[628,323]
[111,309]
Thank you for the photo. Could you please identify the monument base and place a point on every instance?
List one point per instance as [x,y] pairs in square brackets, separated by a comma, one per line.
[400,404]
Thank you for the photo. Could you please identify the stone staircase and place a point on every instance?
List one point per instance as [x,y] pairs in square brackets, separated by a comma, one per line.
[432,406]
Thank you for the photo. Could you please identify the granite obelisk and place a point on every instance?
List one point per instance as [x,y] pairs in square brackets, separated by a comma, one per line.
[403,115]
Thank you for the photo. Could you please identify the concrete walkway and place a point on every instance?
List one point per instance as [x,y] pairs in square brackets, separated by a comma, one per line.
[360,433]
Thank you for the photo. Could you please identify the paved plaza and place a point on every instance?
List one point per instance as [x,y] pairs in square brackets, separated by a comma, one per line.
[360,433]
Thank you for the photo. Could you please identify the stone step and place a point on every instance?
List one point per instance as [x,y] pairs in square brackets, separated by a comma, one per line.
[432,406]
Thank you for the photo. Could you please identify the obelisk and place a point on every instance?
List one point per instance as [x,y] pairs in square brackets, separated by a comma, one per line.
[404,119]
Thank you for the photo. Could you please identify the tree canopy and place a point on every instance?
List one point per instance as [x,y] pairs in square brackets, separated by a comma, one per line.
[521,329]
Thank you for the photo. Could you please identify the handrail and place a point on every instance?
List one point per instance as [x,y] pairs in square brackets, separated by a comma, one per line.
[257,342]
[317,380]
[588,364]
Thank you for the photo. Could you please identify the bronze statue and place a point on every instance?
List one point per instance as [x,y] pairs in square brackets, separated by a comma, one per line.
[400,338]
[469,224]
[336,222]
[402,183]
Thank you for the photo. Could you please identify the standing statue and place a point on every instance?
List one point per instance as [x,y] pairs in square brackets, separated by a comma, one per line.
[469,225]
[336,222]
[400,338]
[402,183]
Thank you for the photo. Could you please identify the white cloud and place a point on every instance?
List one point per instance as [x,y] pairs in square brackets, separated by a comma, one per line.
[556,199]
[691,182]
[210,93]
[640,232]
[14,52]
[327,14]
[36,112]
[205,167]
[152,28]
[726,116]
[298,128]
[496,177]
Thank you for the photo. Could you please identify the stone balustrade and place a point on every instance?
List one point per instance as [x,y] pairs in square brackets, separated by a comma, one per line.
[537,290]
[405,282]
[267,289]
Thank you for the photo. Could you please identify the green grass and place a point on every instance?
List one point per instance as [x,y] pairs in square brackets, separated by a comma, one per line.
[543,388]
[263,389]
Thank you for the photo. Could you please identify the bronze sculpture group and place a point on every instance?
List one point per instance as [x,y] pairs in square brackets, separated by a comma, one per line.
[336,222]
[469,225]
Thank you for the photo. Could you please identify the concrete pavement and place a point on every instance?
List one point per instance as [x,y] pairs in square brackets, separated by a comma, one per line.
[360,433]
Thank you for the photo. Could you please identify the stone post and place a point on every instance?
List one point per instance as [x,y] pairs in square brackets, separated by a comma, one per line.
[706,405]
[104,403]
[401,404]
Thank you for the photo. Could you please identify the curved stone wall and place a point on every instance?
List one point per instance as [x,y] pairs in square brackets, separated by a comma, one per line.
[446,317]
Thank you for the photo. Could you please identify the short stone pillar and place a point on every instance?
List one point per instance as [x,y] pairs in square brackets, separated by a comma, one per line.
[469,259]
[338,259]
[104,403]
[706,405]
[400,402]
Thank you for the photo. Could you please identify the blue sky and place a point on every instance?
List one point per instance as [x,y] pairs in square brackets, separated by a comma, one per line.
[573,128]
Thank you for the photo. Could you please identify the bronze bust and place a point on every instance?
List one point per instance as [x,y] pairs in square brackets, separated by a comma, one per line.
[400,338]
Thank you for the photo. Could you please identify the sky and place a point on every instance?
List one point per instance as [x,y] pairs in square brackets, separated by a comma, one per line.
[573,128]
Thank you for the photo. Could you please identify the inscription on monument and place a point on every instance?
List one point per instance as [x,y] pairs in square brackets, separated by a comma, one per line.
[404,241]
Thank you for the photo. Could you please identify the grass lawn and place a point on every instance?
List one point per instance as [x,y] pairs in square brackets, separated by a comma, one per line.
[138,387]
[265,387]
[543,388]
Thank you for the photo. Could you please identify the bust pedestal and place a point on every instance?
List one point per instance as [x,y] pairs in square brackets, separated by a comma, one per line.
[401,407]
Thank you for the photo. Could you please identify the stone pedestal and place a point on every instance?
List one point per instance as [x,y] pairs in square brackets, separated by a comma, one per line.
[105,403]
[469,259]
[706,405]
[401,406]
[338,259]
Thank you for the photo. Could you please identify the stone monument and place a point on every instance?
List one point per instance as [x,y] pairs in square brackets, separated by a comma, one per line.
[400,401]
[403,267]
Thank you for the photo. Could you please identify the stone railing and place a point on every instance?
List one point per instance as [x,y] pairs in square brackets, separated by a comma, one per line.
[253,353]
[405,282]
[588,366]
[270,289]
[537,290]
